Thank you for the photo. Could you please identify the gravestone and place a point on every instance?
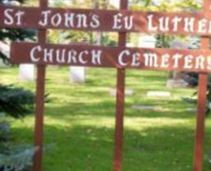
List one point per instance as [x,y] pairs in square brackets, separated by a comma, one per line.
[145,107]
[27,72]
[77,74]
[128,92]
[176,78]
[159,94]
[147,41]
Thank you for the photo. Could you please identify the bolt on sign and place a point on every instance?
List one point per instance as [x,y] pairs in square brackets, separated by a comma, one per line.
[122,21]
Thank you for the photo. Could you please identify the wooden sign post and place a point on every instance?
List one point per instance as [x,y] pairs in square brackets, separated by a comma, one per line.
[120,100]
[40,95]
[201,108]
[120,57]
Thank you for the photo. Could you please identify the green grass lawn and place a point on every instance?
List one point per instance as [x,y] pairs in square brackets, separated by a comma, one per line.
[79,123]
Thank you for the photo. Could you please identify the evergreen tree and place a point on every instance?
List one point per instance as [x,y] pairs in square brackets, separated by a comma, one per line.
[7,34]
[15,102]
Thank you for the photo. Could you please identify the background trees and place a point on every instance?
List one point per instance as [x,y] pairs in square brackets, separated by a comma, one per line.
[15,102]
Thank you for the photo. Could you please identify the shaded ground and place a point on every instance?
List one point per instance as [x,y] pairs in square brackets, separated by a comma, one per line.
[79,123]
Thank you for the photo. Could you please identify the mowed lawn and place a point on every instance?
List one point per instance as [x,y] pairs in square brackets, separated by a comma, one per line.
[79,122]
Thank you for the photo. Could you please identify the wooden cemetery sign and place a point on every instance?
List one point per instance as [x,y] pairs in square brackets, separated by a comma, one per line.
[119,57]
[106,20]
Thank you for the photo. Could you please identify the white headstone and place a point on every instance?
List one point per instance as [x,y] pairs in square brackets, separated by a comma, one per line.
[147,41]
[77,74]
[176,79]
[26,72]
[158,94]
[179,44]
[5,49]
[128,92]
[144,107]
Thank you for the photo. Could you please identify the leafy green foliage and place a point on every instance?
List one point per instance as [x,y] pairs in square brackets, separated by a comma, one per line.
[17,160]
[192,79]
[165,5]
[14,34]
[62,36]
[80,122]
[15,101]
[4,132]
[163,41]
[4,58]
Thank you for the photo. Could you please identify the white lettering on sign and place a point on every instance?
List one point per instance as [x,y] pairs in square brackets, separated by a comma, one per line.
[56,20]
[125,55]
[136,59]
[151,59]
[164,26]
[69,20]
[65,56]
[189,24]
[186,23]
[122,22]
[33,52]
[122,55]
[44,21]
[82,56]
[176,20]
[175,24]
[48,55]
[95,21]
[165,61]
[151,27]
[176,59]
[202,26]
[200,62]
[11,17]
[162,59]
[96,56]
[188,62]
[155,60]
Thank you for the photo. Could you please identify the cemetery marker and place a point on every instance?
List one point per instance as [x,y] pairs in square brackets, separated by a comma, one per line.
[120,57]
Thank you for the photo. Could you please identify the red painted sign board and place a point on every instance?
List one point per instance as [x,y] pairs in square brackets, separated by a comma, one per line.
[122,21]
[120,57]
[106,20]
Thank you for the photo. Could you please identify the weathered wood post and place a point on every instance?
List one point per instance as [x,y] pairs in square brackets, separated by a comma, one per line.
[202,101]
[40,100]
[120,102]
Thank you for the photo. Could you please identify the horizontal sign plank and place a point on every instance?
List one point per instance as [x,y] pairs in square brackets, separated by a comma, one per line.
[106,20]
[98,56]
